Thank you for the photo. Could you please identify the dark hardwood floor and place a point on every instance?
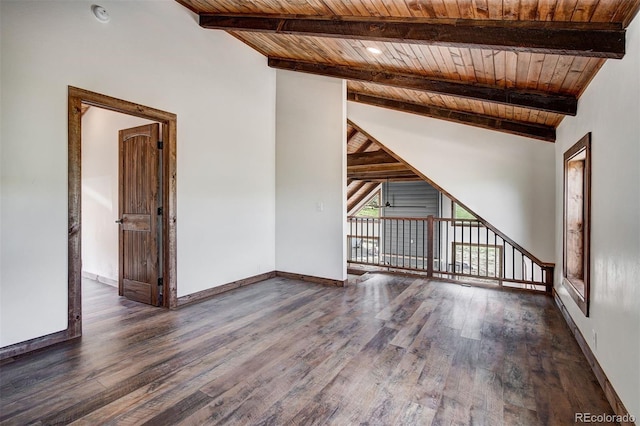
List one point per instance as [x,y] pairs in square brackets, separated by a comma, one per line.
[388,350]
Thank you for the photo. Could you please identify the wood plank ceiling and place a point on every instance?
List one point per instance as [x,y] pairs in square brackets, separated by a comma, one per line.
[516,66]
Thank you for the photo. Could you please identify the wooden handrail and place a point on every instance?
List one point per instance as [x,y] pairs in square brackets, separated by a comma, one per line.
[429,221]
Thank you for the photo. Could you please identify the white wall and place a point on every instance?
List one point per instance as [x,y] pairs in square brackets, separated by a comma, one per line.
[100,190]
[507,180]
[0,171]
[610,110]
[311,175]
[512,263]
[155,54]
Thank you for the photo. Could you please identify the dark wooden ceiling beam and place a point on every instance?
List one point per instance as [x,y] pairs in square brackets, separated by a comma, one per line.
[351,135]
[355,188]
[556,103]
[353,201]
[363,148]
[368,158]
[536,131]
[377,167]
[562,38]
[413,178]
[381,174]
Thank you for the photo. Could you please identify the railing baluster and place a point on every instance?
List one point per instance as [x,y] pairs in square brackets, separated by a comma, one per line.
[410,245]
[513,262]
[367,250]
[382,230]
[423,235]
[446,248]
[376,246]
[498,273]
[470,249]
[486,255]
[355,235]
[430,247]
[415,244]
[403,243]
[478,246]
[452,246]
[397,242]
[462,251]
[532,276]
[354,238]
[360,237]
[437,240]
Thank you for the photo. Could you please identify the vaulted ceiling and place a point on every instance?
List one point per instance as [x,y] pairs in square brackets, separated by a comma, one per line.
[516,66]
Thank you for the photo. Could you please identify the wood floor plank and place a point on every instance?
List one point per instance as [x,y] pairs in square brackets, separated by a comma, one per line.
[429,389]
[457,394]
[389,310]
[517,385]
[292,374]
[173,414]
[408,332]
[488,398]
[474,319]
[302,393]
[373,397]
[518,416]
[163,392]
[415,414]
[119,370]
[384,350]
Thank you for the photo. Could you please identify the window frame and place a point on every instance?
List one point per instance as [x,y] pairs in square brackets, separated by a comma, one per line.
[377,193]
[582,298]
[462,222]
[498,258]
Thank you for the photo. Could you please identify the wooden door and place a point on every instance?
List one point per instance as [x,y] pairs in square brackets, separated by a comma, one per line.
[139,180]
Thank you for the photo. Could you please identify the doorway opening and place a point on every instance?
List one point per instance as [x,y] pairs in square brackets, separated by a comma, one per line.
[122,204]
[137,222]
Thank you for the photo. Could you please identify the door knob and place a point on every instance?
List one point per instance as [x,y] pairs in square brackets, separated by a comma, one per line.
[119,221]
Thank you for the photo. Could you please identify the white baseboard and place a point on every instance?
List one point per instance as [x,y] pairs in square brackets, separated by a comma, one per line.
[100,279]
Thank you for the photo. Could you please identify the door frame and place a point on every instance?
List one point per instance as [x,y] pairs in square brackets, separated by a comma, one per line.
[77,97]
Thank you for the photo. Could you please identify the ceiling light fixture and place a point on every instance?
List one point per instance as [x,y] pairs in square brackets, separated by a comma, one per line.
[100,13]
[374,50]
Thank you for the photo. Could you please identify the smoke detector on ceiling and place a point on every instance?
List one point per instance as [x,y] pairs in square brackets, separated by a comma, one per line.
[100,13]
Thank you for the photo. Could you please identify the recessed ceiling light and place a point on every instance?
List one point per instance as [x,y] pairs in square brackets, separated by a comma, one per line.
[100,13]
[374,50]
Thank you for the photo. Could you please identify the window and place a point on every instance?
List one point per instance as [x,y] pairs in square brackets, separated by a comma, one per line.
[462,216]
[372,208]
[576,221]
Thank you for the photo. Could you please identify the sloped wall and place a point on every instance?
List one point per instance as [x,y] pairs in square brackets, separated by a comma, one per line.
[507,180]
